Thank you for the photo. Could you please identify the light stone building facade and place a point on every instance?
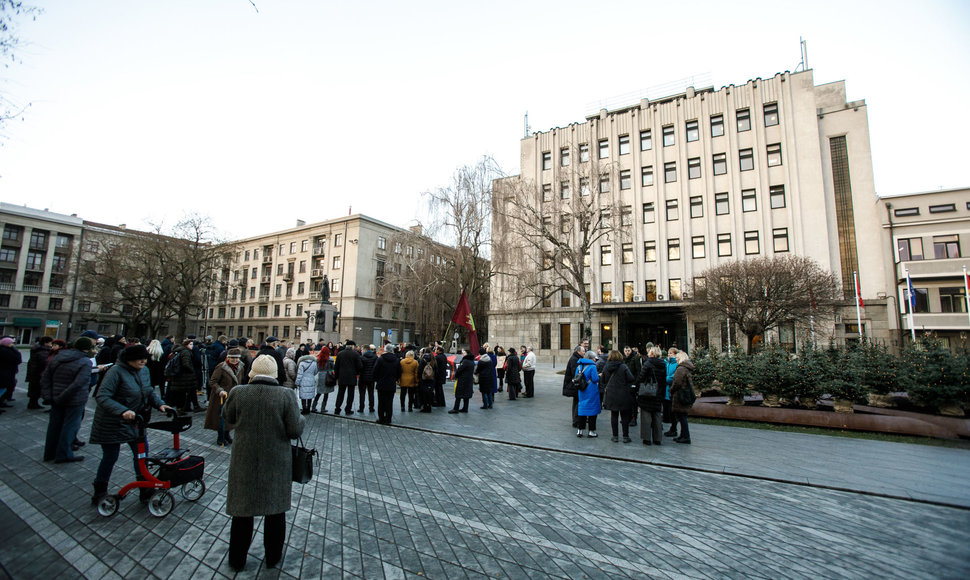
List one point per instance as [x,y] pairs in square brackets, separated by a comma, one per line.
[770,167]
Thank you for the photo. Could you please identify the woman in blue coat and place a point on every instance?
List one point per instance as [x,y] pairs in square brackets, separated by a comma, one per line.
[487,381]
[125,392]
[589,398]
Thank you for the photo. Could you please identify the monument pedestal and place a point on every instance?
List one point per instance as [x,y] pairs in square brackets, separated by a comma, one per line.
[322,324]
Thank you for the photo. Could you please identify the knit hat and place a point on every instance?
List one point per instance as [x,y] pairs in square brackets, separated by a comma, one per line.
[134,352]
[84,344]
[90,334]
[264,365]
[6,341]
[233,343]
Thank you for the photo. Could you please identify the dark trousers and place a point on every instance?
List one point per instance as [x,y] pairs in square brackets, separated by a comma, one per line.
[109,456]
[366,389]
[668,415]
[530,385]
[682,419]
[385,406]
[323,407]
[576,412]
[463,403]
[622,417]
[61,431]
[514,389]
[241,536]
[409,393]
[341,391]
[650,426]
[589,421]
[439,395]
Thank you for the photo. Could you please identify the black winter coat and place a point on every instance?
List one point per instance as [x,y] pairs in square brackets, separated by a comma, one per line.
[67,379]
[386,371]
[185,379]
[513,366]
[464,379]
[10,359]
[618,380]
[570,370]
[347,366]
[441,368]
[656,366]
[39,353]
[367,362]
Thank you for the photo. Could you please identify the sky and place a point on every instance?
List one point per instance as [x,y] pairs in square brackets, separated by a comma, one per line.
[140,112]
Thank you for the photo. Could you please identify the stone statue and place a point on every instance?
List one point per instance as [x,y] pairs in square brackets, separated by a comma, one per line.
[325,290]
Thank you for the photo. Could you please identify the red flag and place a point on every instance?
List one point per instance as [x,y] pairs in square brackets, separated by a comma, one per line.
[463,317]
[858,290]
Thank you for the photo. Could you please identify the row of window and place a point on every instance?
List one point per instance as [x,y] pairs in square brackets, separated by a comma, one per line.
[675,291]
[719,167]
[953,299]
[911,249]
[752,245]
[30,303]
[691,129]
[261,311]
[938,208]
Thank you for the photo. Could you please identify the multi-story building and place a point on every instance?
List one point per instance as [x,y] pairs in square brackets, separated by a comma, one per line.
[928,236]
[772,167]
[276,279]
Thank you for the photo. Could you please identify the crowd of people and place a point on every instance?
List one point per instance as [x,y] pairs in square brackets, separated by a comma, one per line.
[630,385]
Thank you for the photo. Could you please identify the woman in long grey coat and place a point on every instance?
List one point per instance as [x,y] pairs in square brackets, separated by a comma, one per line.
[266,416]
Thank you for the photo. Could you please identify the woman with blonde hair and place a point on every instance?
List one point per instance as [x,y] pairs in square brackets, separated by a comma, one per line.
[409,379]
[156,366]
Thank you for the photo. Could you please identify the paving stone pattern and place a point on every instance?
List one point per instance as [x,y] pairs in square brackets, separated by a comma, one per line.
[405,503]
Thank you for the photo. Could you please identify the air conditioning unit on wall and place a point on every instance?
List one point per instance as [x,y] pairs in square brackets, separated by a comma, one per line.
[637,298]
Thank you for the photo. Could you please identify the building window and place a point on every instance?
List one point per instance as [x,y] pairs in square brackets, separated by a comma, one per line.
[717,125]
[670,172]
[381,243]
[338,240]
[626,215]
[906,211]
[697,247]
[776,196]
[279,290]
[606,292]
[673,249]
[746,157]
[335,285]
[546,192]
[282,249]
[30,303]
[672,213]
[305,246]
[649,216]
[752,244]
[623,144]
[564,157]
[336,262]
[38,239]
[564,223]
[694,168]
[586,259]
[749,200]
[279,269]
[946,246]
[4,300]
[650,251]
[724,245]
[55,304]
[910,249]
[584,188]
[565,342]
[676,289]
[700,287]
[565,298]
[628,291]
[276,310]
[696,206]
[668,135]
[625,181]
[953,299]
[292,247]
[35,260]
[771,114]
[246,258]
[8,255]
[604,148]
[943,208]
[564,192]
[606,255]
[722,205]
[546,160]
[774,154]
[646,176]
[583,152]
[83,306]
[12,233]
[646,140]
[650,290]
[693,131]
[300,287]
[263,311]
[546,297]
[605,183]
[397,247]
[780,239]
[627,253]
[744,120]
[720,163]
[922,304]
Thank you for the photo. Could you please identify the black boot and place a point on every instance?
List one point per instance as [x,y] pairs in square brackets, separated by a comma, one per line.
[100,491]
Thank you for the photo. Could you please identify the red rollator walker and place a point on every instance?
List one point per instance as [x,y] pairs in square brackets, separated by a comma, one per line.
[162,471]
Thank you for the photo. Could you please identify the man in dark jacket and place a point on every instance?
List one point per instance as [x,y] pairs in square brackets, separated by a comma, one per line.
[269,347]
[39,353]
[440,376]
[347,365]
[365,384]
[387,371]
[65,384]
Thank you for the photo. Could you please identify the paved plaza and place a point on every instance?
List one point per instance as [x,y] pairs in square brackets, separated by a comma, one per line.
[512,493]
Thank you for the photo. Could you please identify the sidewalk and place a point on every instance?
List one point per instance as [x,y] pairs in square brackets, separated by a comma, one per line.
[905,471]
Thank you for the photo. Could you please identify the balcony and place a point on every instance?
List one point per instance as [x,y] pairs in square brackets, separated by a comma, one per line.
[34,267]
[8,264]
[262,298]
[316,273]
[62,249]
[34,245]
[288,277]
[31,288]
[319,249]
[265,279]
[6,285]
[57,290]
[934,268]
[268,259]
[15,242]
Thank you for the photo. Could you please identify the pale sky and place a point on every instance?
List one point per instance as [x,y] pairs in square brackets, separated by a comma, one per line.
[140,111]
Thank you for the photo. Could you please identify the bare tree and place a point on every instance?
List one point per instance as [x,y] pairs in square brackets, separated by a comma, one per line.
[553,241]
[12,11]
[760,294]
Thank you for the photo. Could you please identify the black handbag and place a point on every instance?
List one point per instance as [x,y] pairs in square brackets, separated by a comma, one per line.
[302,462]
[648,390]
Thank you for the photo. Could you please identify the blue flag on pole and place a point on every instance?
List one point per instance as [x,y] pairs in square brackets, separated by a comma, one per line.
[912,294]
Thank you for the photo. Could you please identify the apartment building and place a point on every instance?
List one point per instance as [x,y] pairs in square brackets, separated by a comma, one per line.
[927,235]
[771,167]
[275,280]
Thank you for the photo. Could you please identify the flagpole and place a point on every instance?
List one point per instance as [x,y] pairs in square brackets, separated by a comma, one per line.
[728,321]
[966,290]
[912,305]
[858,300]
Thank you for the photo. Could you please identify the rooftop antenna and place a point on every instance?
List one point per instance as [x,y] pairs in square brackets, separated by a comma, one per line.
[803,47]
[350,209]
[527,130]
